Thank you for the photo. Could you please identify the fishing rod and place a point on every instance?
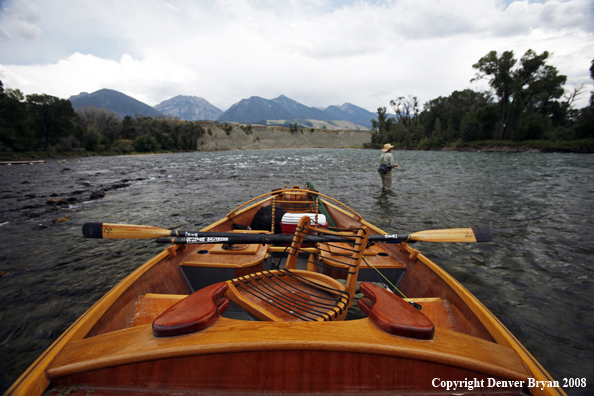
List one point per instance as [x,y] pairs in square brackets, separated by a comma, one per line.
[162,235]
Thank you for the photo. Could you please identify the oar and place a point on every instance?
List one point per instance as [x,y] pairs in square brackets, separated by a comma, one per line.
[127,231]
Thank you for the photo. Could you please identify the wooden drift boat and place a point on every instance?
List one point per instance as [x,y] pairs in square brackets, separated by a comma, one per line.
[232,310]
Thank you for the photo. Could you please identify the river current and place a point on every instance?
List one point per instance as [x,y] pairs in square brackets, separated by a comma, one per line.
[536,276]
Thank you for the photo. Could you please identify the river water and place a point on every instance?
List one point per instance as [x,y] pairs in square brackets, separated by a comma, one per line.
[536,276]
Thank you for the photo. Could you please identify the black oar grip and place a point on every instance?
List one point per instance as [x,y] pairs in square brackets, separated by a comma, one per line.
[93,230]
[482,234]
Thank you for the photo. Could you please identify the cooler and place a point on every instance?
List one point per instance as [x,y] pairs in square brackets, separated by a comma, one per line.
[289,221]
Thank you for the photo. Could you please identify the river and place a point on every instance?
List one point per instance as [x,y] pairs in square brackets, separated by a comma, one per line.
[536,276]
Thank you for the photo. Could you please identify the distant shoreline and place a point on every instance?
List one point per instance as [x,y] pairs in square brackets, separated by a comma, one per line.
[582,146]
[585,146]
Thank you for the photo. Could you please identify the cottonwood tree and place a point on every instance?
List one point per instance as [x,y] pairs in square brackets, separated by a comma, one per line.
[100,120]
[15,133]
[52,117]
[529,84]
[585,124]
[407,110]
[473,109]
[382,127]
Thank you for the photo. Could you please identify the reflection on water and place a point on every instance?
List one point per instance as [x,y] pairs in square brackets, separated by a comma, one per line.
[536,276]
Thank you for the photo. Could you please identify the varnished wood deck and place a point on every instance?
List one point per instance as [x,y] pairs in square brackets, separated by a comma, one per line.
[233,351]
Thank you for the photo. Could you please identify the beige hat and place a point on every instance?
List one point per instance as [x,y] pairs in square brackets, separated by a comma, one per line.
[387,147]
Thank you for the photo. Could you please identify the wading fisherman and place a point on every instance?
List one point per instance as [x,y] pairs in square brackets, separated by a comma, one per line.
[386,165]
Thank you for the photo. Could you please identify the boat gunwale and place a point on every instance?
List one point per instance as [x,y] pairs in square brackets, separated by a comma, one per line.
[493,325]
[236,336]
[34,380]
[288,191]
[34,377]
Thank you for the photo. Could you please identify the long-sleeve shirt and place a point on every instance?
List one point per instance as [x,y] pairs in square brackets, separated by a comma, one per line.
[387,159]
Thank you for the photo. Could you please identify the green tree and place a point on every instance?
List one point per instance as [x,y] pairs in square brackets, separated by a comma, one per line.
[407,111]
[438,137]
[146,144]
[404,129]
[469,127]
[381,128]
[129,128]
[531,85]
[500,72]
[52,117]
[585,123]
[487,117]
[15,132]
[453,110]
[101,120]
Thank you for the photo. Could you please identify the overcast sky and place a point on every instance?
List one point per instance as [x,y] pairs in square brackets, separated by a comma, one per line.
[318,52]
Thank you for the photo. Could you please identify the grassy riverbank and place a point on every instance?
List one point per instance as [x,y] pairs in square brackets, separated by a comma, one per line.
[54,154]
[542,146]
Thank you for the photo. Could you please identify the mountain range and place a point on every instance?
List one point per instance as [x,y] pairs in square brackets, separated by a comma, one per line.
[112,100]
[254,110]
[189,108]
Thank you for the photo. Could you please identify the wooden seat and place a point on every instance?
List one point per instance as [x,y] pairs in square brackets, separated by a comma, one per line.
[289,294]
[296,200]
[212,263]
[375,260]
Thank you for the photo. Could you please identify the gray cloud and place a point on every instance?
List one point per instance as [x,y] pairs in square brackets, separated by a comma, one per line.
[315,51]
[19,20]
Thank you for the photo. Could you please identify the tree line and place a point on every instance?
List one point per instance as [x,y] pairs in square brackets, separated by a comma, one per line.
[526,102]
[44,125]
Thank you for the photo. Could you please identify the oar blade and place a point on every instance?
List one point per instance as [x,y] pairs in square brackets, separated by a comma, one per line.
[122,231]
[479,234]
[483,234]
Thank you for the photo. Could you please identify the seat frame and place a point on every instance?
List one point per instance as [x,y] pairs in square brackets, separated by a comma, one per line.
[289,294]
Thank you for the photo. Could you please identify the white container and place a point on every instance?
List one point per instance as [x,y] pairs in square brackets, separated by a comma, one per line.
[293,218]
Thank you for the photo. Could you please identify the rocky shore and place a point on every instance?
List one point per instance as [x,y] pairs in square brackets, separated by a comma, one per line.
[40,203]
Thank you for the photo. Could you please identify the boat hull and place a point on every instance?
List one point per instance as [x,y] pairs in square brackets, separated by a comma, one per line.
[111,349]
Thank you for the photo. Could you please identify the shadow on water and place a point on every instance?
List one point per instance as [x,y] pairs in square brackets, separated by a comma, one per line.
[536,276]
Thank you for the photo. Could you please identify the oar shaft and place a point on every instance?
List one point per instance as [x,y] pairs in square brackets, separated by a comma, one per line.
[123,231]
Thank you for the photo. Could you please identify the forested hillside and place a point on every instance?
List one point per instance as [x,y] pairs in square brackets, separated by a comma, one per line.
[527,106]
[43,125]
